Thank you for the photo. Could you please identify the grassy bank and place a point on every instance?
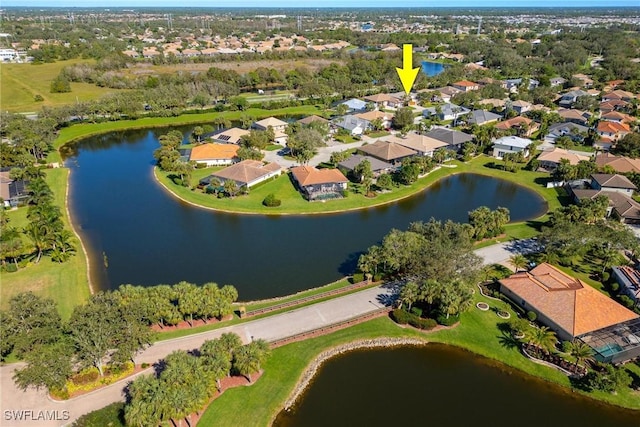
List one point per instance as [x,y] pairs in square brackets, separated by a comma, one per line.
[66,283]
[478,332]
[294,203]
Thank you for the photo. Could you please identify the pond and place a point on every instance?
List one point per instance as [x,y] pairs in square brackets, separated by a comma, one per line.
[138,233]
[432,68]
[438,385]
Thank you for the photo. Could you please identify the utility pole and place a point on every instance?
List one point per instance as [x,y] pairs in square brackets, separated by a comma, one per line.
[479,25]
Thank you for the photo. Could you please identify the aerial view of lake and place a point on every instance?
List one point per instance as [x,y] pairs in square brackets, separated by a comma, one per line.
[137,233]
[432,68]
[439,385]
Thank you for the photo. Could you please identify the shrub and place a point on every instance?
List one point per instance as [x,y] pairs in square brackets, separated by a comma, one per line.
[417,311]
[11,268]
[615,287]
[177,181]
[271,201]
[605,276]
[419,323]
[532,316]
[200,165]
[357,278]
[442,319]
[626,301]
[145,365]
[38,98]
[400,316]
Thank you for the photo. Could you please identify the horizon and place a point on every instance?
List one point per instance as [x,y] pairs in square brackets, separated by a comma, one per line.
[326,4]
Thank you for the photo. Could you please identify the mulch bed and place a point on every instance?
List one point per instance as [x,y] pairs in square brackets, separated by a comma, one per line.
[185,325]
[136,369]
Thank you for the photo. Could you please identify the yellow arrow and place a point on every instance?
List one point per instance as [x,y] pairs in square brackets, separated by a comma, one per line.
[407,74]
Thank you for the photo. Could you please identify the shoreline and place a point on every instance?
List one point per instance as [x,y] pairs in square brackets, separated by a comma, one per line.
[360,208]
[312,368]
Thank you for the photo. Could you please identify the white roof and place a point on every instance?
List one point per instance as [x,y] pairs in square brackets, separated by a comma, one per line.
[513,141]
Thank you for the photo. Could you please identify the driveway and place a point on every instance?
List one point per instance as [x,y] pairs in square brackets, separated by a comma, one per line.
[35,408]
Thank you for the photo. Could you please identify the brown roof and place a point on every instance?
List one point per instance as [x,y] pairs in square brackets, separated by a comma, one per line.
[570,303]
[214,151]
[387,150]
[419,143]
[613,181]
[232,135]
[566,113]
[375,114]
[516,121]
[625,206]
[556,154]
[620,164]
[465,83]
[381,97]
[313,118]
[270,121]
[309,175]
[247,171]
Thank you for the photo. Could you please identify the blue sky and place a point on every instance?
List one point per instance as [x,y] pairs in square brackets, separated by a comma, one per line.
[321,3]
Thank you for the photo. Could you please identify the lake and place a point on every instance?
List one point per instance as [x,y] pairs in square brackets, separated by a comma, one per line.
[438,385]
[432,68]
[137,233]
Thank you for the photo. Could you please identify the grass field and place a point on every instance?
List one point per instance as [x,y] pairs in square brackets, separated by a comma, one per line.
[65,283]
[19,83]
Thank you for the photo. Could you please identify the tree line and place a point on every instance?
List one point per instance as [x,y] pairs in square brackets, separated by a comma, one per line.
[106,331]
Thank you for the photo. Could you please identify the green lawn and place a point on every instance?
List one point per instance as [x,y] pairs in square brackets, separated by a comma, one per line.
[345,139]
[65,283]
[294,203]
[19,83]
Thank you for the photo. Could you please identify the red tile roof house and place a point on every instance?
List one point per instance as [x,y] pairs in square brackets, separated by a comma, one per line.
[573,309]
[612,130]
[466,86]
[319,184]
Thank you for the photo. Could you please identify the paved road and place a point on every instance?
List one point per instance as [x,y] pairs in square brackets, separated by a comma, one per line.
[269,328]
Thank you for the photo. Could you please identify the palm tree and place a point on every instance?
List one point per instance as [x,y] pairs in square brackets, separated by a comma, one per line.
[231,187]
[580,351]
[518,261]
[543,338]
[249,358]
[409,294]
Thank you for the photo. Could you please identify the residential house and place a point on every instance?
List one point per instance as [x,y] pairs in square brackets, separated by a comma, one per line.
[629,280]
[387,151]
[444,94]
[551,159]
[466,85]
[378,167]
[12,192]
[585,81]
[573,309]
[512,85]
[319,184]
[557,81]
[612,130]
[453,138]
[612,182]
[568,99]
[523,125]
[355,105]
[574,116]
[214,154]
[575,131]
[521,107]
[422,144]
[384,100]
[446,111]
[230,136]
[621,205]
[384,117]
[278,127]
[620,164]
[511,144]
[612,105]
[482,117]
[313,119]
[493,103]
[615,116]
[618,95]
[246,173]
[355,125]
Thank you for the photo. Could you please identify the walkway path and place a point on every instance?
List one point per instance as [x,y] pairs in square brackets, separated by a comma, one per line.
[13,400]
